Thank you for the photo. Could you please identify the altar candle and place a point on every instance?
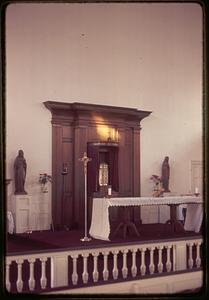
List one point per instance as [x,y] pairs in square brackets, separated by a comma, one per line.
[117,136]
[196,190]
[109,191]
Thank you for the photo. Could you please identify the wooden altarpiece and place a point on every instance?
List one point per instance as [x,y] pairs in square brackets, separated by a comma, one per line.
[107,133]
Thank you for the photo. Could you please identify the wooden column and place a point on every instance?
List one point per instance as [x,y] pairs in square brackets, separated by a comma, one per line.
[136,172]
[57,206]
[80,146]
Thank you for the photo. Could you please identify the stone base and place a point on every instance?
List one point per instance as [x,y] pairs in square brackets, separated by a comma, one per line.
[21,208]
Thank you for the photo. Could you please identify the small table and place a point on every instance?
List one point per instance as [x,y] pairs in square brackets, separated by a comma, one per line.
[100,223]
[176,225]
[126,223]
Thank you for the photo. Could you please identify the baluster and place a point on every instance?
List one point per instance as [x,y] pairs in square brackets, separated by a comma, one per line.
[160,264]
[133,267]
[95,271]
[75,273]
[174,257]
[198,259]
[143,266]
[190,260]
[115,266]
[105,270]
[168,261]
[85,275]
[125,269]
[19,282]
[31,281]
[43,272]
[8,283]
[151,265]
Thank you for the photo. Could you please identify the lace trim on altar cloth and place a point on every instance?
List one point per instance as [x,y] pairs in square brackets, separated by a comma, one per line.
[140,201]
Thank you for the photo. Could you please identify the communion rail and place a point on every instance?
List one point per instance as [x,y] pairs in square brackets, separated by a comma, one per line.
[70,269]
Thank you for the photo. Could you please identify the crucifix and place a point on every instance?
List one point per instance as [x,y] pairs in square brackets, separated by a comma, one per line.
[85,159]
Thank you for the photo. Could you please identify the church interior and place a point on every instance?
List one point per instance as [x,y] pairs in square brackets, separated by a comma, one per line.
[104,147]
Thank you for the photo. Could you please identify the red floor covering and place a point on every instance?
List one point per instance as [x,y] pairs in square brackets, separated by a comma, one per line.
[49,240]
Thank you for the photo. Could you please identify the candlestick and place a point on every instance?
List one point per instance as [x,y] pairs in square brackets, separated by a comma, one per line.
[109,191]
[85,161]
[196,191]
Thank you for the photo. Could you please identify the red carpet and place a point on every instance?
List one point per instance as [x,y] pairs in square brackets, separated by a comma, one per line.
[49,240]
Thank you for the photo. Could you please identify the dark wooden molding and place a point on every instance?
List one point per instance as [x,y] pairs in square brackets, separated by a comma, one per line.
[63,109]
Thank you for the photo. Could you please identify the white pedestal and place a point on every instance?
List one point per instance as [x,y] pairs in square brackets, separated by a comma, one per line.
[21,208]
[29,213]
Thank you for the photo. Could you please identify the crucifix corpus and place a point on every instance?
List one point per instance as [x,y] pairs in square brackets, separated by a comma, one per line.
[85,159]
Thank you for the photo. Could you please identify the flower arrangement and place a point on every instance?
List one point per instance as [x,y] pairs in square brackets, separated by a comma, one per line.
[156,179]
[158,189]
[44,178]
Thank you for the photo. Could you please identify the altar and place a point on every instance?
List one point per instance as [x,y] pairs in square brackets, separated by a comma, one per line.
[100,223]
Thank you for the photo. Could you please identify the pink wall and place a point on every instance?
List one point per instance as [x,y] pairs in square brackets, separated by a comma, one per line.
[142,55]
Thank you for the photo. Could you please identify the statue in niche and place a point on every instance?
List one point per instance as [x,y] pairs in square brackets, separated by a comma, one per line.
[20,167]
[165,174]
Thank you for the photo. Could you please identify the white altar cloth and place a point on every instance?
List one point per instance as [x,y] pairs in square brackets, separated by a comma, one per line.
[10,222]
[194,216]
[100,224]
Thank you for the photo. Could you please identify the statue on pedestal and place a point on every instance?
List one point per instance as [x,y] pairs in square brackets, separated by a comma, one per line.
[165,174]
[20,167]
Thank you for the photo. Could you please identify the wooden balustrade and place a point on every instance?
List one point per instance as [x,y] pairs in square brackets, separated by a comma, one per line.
[96,265]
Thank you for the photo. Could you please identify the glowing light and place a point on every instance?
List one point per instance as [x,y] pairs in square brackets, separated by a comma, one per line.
[104,131]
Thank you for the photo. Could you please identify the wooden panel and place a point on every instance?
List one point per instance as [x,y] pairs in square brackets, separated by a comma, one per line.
[67,184]
[128,160]
[136,162]
[92,134]
[136,172]
[121,165]
[62,206]
[56,173]
[66,132]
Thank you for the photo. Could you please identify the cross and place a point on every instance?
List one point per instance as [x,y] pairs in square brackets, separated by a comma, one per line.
[85,159]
